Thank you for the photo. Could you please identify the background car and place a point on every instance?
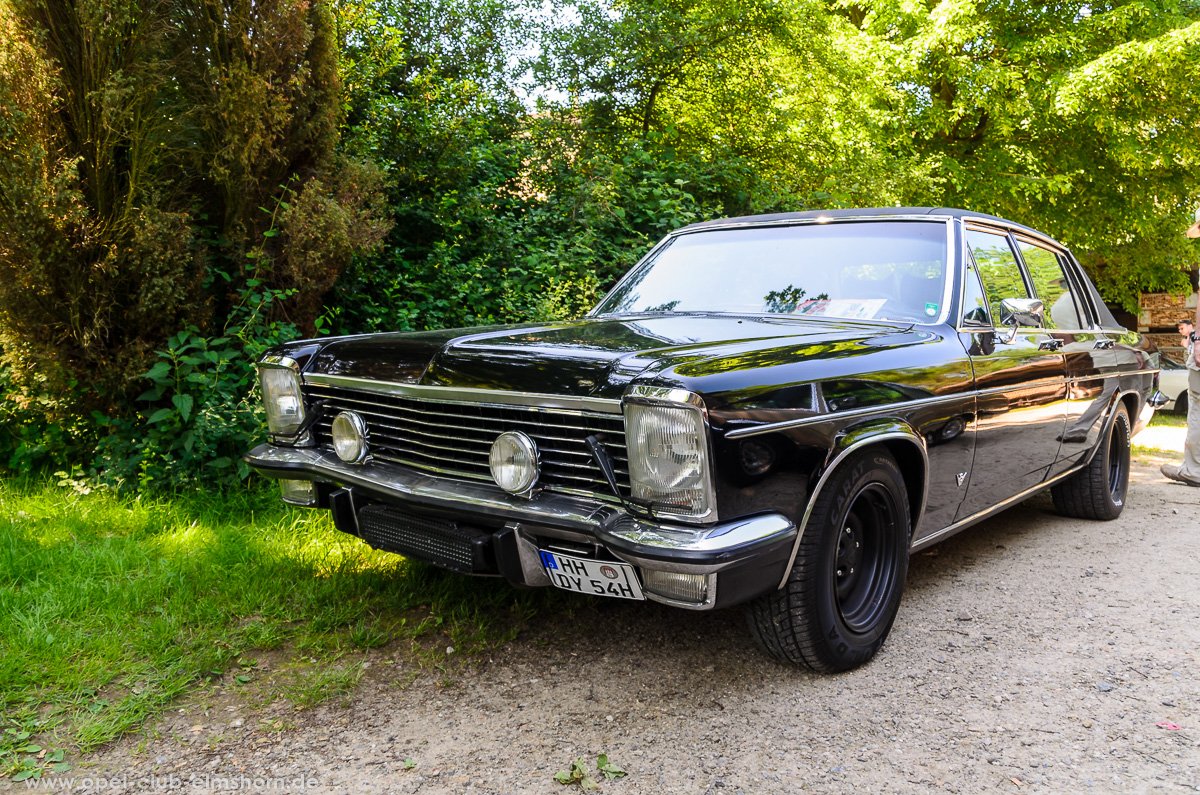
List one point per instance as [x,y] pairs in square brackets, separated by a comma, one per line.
[1173,382]
[772,411]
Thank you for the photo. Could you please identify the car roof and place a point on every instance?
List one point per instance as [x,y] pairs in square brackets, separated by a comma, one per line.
[882,213]
[859,212]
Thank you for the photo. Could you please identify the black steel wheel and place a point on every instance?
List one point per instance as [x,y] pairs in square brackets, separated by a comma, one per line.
[1181,403]
[844,589]
[1098,490]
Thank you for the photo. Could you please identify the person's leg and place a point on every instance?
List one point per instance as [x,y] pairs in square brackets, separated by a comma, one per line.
[1191,446]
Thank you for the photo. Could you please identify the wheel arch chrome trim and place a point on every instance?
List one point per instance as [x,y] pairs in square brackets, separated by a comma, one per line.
[1109,417]
[863,436]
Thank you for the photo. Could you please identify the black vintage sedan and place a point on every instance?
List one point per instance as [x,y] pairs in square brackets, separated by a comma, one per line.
[772,411]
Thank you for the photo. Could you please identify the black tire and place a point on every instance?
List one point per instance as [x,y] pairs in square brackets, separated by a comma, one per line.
[840,601]
[1181,402]
[1098,490]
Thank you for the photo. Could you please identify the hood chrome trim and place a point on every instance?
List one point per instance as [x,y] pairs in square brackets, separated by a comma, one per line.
[453,394]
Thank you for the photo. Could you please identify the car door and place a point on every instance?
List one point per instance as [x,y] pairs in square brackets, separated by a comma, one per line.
[1019,379]
[1089,357]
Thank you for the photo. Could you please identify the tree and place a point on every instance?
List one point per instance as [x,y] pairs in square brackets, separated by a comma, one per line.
[1069,117]
[96,260]
[157,160]
[259,90]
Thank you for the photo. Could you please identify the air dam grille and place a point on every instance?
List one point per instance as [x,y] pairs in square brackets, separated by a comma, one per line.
[453,439]
[437,541]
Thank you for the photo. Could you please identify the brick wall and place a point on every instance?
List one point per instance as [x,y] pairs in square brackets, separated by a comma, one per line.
[1161,311]
[1167,343]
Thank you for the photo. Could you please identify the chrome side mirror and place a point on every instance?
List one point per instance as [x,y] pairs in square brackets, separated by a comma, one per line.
[1018,312]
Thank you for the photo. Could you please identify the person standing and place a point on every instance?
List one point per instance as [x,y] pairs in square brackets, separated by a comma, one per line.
[1189,471]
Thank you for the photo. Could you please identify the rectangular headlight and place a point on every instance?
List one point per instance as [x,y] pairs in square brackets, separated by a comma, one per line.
[280,382]
[668,458]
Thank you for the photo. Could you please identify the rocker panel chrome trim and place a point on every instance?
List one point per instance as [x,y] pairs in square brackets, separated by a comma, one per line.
[963,524]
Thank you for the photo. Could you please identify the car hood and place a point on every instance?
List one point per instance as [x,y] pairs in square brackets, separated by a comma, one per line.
[597,357]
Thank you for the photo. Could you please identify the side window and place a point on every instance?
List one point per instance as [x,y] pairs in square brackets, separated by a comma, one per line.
[998,269]
[1052,286]
[975,311]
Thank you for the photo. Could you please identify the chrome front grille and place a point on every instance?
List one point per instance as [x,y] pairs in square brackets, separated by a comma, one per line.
[453,439]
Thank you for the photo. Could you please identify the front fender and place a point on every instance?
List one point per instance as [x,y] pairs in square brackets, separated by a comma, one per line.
[890,433]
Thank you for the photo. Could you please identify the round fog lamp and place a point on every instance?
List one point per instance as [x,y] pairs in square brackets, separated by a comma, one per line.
[514,462]
[350,437]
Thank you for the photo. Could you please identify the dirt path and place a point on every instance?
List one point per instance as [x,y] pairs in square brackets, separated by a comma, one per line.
[1032,654]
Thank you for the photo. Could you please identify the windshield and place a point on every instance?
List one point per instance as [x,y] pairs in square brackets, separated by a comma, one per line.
[879,270]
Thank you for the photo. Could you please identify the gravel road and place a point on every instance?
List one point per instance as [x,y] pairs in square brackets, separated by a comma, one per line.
[1032,653]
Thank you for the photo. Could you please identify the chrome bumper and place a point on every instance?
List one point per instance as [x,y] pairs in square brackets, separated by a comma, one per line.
[692,550]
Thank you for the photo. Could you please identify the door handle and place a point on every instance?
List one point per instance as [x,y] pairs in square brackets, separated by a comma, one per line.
[1103,345]
[1051,344]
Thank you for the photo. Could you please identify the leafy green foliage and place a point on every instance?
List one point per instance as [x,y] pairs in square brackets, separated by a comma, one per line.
[1067,117]
[160,162]
[609,769]
[39,428]
[370,165]
[578,774]
[22,758]
[94,262]
[207,422]
[203,411]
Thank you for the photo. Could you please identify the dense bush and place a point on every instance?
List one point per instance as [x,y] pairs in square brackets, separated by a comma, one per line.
[511,242]
[201,409]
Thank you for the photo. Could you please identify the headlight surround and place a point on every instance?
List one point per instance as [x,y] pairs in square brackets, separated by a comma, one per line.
[279,378]
[667,442]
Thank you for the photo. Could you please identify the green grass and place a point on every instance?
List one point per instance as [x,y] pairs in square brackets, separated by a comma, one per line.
[113,608]
[1167,418]
[1161,419]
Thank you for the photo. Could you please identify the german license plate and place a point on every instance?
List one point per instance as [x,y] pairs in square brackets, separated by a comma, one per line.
[597,577]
